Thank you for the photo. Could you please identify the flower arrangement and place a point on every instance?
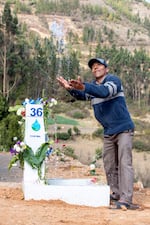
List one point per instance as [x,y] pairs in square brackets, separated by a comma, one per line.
[22,152]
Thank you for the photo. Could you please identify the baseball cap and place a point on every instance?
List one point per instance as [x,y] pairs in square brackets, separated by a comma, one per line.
[99,60]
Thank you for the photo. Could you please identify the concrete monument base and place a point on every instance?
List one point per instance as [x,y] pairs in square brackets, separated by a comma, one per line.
[73,191]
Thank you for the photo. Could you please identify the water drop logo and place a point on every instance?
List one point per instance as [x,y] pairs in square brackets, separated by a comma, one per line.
[36,126]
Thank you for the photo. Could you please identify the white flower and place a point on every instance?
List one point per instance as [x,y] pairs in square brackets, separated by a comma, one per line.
[92,167]
[17,148]
[50,104]
[15,138]
[19,111]
[26,100]
[54,101]
[23,146]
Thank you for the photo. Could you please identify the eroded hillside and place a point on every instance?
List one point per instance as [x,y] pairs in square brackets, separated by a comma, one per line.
[126,33]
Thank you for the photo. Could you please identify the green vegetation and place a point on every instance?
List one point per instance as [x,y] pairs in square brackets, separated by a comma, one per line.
[62,120]
[123,8]
[76,130]
[26,60]
[14,108]
[98,133]
[66,135]
[68,151]
[9,128]
[22,7]
[140,146]
[62,136]
[61,6]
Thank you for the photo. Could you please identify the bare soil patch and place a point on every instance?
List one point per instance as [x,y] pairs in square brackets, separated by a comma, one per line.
[16,211]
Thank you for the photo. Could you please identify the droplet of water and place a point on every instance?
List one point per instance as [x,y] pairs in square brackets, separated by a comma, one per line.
[36,126]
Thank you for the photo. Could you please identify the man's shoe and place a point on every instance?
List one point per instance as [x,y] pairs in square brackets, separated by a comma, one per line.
[113,197]
[125,206]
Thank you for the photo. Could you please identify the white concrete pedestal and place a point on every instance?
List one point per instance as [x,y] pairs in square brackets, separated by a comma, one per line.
[72,191]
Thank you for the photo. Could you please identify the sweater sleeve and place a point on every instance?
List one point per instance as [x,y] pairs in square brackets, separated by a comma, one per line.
[79,95]
[110,87]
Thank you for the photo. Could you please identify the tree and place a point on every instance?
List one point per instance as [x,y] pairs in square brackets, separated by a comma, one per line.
[3,107]
[8,34]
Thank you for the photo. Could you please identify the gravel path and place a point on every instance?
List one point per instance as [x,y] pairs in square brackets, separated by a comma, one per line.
[12,175]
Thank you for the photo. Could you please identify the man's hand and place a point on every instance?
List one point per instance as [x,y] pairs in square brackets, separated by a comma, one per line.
[77,84]
[64,83]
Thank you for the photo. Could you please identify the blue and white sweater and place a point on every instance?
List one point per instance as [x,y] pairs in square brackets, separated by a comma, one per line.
[109,104]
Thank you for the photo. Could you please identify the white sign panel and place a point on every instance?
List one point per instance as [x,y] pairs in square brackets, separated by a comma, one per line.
[34,126]
[34,137]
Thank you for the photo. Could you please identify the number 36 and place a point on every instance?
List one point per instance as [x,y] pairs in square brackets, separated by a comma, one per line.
[36,112]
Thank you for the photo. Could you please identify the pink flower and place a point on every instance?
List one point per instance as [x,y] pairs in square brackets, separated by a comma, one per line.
[94,180]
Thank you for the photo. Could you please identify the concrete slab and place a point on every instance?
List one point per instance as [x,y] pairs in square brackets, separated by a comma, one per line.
[72,191]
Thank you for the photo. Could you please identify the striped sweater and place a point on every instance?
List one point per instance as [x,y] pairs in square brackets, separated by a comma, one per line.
[108,102]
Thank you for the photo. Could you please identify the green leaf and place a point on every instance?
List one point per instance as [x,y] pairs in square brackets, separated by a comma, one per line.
[34,160]
[12,161]
[41,152]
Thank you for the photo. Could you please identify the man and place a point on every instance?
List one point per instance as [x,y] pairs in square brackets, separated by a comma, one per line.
[108,101]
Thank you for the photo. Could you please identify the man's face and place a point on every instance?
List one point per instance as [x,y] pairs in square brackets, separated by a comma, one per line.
[98,70]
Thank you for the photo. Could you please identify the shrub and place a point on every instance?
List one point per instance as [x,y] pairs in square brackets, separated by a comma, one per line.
[76,130]
[78,113]
[97,156]
[98,133]
[70,132]
[98,153]
[68,151]
[9,128]
[140,146]
[62,136]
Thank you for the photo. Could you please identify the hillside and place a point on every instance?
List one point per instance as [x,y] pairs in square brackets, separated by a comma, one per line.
[115,27]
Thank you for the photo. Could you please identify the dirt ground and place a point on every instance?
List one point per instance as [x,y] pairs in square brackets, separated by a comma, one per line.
[15,210]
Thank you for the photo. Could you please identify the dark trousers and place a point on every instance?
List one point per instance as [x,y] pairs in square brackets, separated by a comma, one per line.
[117,158]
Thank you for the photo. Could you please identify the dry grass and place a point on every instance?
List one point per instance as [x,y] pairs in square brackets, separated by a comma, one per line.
[141,166]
